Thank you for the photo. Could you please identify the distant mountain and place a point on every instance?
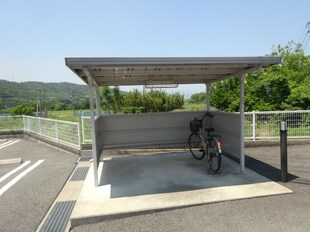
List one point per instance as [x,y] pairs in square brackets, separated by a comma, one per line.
[16,93]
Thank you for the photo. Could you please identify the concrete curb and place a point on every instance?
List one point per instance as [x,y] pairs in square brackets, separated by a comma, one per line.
[4,135]
[65,147]
[11,161]
[177,148]
[86,148]
[70,192]
[270,143]
[11,134]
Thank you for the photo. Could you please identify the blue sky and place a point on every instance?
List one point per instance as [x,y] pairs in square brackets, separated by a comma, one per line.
[35,36]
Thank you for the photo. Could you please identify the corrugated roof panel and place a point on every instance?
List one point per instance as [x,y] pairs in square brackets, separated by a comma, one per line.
[182,70]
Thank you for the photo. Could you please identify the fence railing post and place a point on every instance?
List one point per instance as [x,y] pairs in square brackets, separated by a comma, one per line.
[83,132]
[56,129]
[40,132]
[254,125]
[24,122]
[79,135]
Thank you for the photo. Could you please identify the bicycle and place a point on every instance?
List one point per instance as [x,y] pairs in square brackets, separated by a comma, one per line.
[200,146]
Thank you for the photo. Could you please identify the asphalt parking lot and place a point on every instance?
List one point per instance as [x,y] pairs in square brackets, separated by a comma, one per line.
[25,202]
[275,213]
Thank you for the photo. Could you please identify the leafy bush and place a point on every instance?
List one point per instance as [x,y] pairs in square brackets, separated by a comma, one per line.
[23,110]
[136,102]
[198,98]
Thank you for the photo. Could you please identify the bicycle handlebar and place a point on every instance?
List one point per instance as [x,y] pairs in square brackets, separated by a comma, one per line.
[208,114]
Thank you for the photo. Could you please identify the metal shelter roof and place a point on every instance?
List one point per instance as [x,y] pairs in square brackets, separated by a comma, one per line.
[165,70]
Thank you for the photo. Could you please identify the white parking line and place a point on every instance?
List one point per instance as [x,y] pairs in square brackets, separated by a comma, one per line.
[5,143]
[13,171]
[8,144]
[17,178]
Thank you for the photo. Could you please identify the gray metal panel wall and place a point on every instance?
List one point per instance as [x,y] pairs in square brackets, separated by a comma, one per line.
[152,129]
[228,126]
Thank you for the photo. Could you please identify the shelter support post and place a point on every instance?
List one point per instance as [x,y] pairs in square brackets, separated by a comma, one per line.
[242,160]
[93,127]
[98,101]
[208,96]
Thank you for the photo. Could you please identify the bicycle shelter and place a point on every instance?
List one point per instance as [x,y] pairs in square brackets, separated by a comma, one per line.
[157,129]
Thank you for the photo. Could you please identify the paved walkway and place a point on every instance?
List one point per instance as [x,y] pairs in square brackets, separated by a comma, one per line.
[32,189]
[275,213]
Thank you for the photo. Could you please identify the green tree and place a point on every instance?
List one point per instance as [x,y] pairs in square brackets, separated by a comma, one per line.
[198,98]
[23,110]
[225,95]
[112,99]
[280,87]
[151,101]
[1,104]
[83,104]
[106,98]
[62,106]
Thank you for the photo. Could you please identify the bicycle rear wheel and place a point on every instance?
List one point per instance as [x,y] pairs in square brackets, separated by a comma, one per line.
[214,155]
[195,146]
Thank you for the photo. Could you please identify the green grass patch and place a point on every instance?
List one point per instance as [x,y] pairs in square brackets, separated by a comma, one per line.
[192,107]
[11,123]
[65,115]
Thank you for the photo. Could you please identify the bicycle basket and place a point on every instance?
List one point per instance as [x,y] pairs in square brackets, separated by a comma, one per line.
[195,125]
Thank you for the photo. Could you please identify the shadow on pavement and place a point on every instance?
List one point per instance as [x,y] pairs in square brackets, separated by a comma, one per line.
[266,170]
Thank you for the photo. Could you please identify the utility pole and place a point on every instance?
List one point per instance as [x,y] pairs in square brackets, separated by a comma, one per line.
[306,37]
[73,100]
[45,102]
[41,104]
[308,33]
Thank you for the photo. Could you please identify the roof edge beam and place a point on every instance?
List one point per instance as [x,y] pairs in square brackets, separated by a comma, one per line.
[237,74]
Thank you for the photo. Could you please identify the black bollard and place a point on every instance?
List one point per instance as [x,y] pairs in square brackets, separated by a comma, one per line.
[283,144]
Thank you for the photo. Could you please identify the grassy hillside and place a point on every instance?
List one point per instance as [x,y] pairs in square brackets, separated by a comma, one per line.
[16,93]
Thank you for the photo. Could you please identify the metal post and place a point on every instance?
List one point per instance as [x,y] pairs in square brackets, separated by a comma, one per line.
[242,163]
[283,144]
[208,96]
[253,125]
[93,127]
[98,101]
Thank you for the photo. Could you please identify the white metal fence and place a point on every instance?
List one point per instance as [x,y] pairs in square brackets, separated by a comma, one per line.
[60,131]
[11,123]
[86,129]
[258,126]
[265,125]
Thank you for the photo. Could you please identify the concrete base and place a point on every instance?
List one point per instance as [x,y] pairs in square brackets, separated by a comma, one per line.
[137,184]
[11,161]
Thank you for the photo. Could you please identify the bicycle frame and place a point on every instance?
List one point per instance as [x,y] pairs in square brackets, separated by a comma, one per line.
[207,144]
[215,137]
[203,139]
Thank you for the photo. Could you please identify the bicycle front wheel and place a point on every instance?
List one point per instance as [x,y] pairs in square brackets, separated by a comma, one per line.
[196,146]
[214,155]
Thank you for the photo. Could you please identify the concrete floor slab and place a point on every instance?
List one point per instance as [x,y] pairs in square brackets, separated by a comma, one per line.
[136,184]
